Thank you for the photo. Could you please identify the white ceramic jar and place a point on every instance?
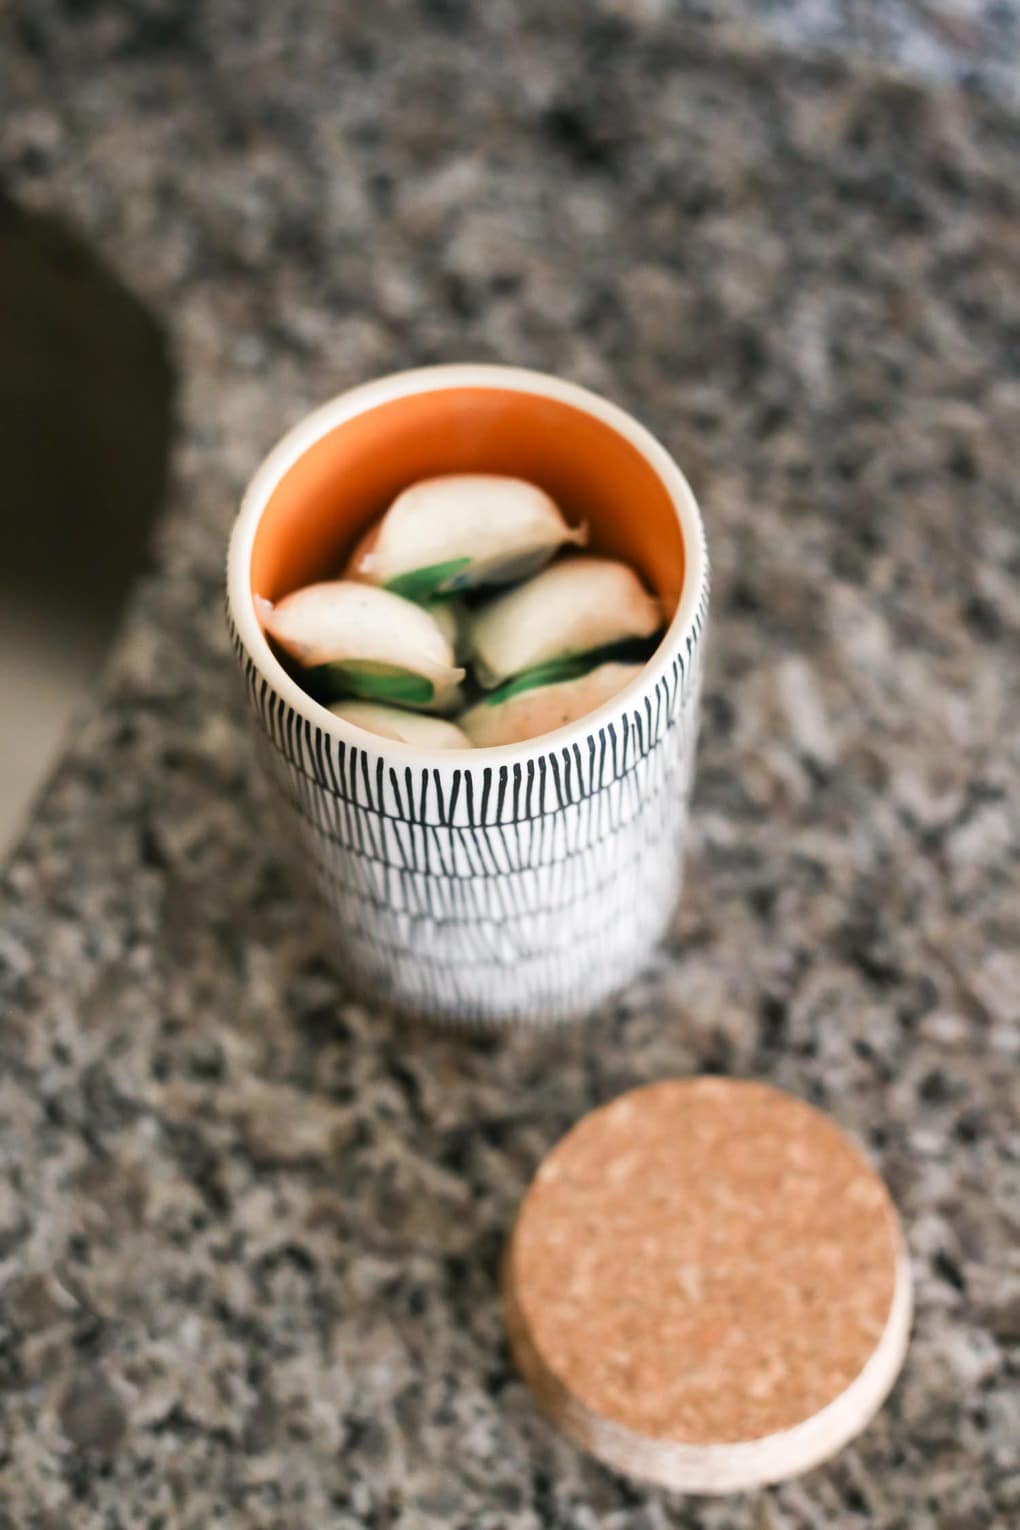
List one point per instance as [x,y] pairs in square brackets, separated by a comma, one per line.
[521,883]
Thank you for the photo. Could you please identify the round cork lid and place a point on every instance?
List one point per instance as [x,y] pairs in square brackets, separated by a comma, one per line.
[707,1285]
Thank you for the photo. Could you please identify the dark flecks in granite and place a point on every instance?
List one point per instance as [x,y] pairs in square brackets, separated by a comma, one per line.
[92,1415]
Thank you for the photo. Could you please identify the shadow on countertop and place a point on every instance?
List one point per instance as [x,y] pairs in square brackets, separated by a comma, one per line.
[86,407]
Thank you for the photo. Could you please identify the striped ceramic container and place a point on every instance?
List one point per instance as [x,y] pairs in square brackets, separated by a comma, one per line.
[526,882]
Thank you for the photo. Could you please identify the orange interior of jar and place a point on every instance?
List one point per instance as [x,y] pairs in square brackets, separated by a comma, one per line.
[346,480]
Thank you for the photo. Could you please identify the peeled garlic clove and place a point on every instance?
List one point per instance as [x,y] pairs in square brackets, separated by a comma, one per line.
[578,606]
[447,610]
[517,714]
[451,618]
[462,530]
[357,640]
[362,547]
[406,727]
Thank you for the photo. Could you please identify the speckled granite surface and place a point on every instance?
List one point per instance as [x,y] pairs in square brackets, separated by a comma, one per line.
[249,1231]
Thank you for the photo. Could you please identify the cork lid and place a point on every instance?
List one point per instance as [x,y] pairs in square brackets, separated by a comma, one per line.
[706,1285]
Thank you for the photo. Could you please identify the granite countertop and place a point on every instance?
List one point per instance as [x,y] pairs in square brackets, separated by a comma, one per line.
[249,1229]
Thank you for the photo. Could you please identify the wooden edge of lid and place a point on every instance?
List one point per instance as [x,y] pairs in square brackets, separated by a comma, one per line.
[719,1469]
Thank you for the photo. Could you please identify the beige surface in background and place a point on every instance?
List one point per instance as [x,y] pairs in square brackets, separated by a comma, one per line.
[47,671]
